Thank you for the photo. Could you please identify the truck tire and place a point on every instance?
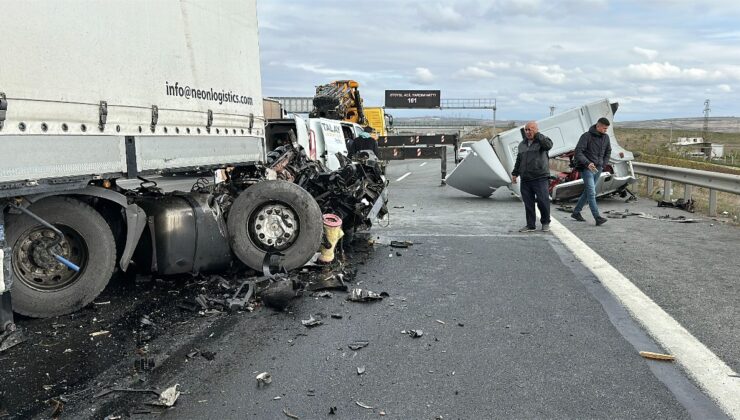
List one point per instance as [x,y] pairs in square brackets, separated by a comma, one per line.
[275,215]
[42,286]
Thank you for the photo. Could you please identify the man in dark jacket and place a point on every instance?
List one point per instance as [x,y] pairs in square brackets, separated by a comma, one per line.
[364,141]
[592,153]
[533,167]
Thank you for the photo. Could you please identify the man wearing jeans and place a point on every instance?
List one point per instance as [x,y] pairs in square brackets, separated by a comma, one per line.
[592,153]
[532,166]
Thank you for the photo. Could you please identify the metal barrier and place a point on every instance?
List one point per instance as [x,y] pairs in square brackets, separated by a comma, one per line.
[416,140]
[714,181]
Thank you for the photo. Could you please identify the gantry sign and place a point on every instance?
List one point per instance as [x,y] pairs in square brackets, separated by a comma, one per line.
[412,99]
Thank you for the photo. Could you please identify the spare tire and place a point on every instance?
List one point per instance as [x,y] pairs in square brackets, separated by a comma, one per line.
[43,287]
[275,216]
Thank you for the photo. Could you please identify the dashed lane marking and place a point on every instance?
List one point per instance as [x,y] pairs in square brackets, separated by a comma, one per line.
[422,164]
[403,176]
[717,379]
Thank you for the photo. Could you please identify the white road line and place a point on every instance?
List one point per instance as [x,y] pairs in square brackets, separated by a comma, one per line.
[708,370]
[403,176]
[422,164]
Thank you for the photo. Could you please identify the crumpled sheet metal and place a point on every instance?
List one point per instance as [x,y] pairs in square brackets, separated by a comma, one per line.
[480,173]
[363,295]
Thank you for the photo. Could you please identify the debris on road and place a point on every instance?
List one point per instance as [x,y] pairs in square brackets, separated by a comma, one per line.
[169,396]
[401,244]
[264,378]
[363,405]
[615,214]
[668,218]
[208,355]
[363,295]
[99,333]
[312,322]
[356,345]
[278,294]
[289,414]
[57,407]
[413,333]
[656,356]
[439,321]
[337,316]
[324,294]
[361,370]
[332,410]
[679,203]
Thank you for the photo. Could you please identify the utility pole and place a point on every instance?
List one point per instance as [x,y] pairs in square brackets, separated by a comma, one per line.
[494,118]
[705,129]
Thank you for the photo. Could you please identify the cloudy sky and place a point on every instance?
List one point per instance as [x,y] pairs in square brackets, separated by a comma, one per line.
[658,58]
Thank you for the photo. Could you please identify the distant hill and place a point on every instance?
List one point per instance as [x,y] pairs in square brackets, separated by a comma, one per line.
[716,124]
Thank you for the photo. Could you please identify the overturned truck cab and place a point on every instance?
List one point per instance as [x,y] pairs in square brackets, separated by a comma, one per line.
[489,164]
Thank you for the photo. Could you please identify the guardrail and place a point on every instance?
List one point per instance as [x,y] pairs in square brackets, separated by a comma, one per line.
[714,181]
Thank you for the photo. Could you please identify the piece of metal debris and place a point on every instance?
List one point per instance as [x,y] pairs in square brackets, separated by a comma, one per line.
[356,345]
[264,378]
[99,333]
[439,321]
[401,244]
[57,407]
[363,295]
[312,322]
[337,316]
[169,396]
[289,414]
[363,405]
[332,410]
[413,333]
[361,370]
[323,294]
[657,356]
[277,398]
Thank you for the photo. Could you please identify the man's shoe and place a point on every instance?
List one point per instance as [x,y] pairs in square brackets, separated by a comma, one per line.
[600,221]
[546,227]
[577,216]
[527,229]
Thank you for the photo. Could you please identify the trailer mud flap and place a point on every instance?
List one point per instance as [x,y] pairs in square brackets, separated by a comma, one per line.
[480,173]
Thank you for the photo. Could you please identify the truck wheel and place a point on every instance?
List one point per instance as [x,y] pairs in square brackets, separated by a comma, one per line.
[43,287]
[275,215]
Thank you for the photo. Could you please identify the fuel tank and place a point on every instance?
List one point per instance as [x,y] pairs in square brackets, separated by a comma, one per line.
[188,233]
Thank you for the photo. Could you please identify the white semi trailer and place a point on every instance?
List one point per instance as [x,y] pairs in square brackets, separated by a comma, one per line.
[92,92]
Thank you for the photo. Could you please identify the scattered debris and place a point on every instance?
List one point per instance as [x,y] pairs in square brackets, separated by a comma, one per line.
[132,390]
[193,353]
[289,414]
[356,345]
[413,333]
[679,203]
[614,214]
[332,410]
[460,324]
[668,218]
[278,294]
[144,364]
[337,316]
[439,321]
[363,405]
[401,244]
[235,303]
[324,294]
[656,356]
[264,378]
[169,396]
[363,295]
[312,322]
[277,398]
[99,333]
[57,407]
[311,393]
[102,303]
[361,370]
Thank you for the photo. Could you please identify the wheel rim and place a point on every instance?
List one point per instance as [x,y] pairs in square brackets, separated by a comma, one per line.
[36,267]
[273,226]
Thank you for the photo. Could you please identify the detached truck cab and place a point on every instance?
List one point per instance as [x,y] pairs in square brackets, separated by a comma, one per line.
[92,92]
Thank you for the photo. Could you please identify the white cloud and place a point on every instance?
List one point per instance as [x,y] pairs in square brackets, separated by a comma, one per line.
[473,72]
[647,53]
[548,74]
[667,71]
[494,65]
[724,88]
[423,76]
[440,16]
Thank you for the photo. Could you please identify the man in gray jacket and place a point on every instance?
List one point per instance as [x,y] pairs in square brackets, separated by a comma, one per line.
[532,165]
[592,153]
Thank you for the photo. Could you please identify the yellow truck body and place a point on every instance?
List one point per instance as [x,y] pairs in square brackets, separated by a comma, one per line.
[376,119]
